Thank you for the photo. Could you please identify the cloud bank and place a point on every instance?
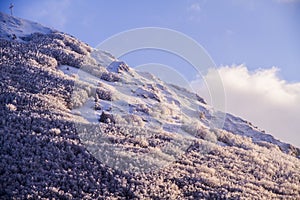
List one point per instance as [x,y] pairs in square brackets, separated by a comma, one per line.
[262,98]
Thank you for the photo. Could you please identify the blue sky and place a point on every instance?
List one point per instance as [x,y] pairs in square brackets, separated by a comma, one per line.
[255,44]
[258,33]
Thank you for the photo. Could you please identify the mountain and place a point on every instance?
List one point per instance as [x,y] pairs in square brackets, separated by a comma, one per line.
[77,123]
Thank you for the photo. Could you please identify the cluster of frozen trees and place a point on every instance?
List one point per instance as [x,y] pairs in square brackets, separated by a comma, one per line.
[42,154]
[232,169]
[45,49]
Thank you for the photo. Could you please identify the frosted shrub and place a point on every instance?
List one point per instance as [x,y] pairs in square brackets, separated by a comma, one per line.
[46,60]
[210,136]
[104,94]
[147,93]
[207,170]
[235,140]
[132,120]
[267,145]
[164,109]
[142,108]
[55,131]
[11,107]
[196,129]
[76,47]
[79,96]
[120,120]
[93,68]
[211,181]
[142,141]
[161,110]
[110,77]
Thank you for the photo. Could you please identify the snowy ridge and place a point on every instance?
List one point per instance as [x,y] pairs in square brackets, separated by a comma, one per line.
[15,28]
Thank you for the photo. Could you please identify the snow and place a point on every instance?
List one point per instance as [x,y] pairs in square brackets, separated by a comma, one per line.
[87,112]
[164,106]
[13,26]
[102,57]
[80,74]
[239,126]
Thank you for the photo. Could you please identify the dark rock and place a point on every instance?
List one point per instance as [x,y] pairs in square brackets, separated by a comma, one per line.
[118,67]
[110,77]
[104,94]
[107,118]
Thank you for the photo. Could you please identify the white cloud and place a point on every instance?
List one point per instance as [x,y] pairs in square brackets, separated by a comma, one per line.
[262,98]
[194,7]
[193,12]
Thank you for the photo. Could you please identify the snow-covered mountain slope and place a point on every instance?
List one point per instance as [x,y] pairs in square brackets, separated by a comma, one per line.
[16,28]
[76,122]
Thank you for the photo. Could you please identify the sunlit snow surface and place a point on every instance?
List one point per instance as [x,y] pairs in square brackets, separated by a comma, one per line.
[19,27]
[146,106]
[177,105]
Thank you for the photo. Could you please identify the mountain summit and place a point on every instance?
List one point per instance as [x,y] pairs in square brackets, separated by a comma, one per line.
[77,123]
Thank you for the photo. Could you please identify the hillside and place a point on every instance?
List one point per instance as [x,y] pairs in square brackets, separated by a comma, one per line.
[77,123]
